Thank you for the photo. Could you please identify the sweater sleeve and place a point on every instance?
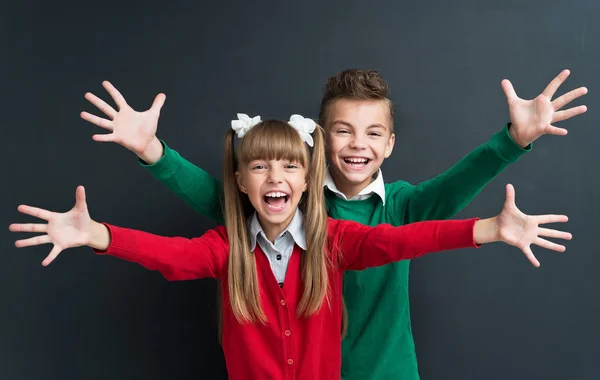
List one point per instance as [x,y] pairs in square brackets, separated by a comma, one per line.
[176,258]
[447,194]
[363,246]
[193,185]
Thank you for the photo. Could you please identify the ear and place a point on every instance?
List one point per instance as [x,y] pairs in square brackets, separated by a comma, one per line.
[240,182]
[390,145]
[305,186]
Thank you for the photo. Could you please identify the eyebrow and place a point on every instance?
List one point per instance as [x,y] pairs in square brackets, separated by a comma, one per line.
[342,122]
[377,125]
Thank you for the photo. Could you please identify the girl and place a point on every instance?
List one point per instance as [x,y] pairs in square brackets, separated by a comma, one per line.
[279,257]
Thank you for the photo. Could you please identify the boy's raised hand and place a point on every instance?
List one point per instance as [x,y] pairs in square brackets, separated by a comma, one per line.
[534,118]
[521,230]
[65,230]
[134,130]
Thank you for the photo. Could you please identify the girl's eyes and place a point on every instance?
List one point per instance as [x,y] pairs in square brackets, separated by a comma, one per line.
[261,166]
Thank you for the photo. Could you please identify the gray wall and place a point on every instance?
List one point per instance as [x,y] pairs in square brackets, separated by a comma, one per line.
[485,314]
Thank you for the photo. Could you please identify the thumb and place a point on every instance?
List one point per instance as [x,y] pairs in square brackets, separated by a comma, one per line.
[509,91]
[159,101]
[530,256]
[80,203]
[510,196]
[52,255]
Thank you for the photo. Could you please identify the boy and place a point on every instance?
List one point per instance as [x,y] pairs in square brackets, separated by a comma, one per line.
[358,119]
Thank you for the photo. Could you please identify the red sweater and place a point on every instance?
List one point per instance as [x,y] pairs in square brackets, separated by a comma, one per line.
[288,346]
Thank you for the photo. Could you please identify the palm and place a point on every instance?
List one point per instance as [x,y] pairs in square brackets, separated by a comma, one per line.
[131,129]
[515,228]
[534,118]
[70,229]
[134,130]
[521,230]
[63,230]
[535,115]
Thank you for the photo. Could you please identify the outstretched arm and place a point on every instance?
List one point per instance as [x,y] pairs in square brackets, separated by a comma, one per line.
[201,191]
[362,246]
[447,194]
[175,257]
[136,131]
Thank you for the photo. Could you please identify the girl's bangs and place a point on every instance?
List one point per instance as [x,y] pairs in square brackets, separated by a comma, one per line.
[272,140]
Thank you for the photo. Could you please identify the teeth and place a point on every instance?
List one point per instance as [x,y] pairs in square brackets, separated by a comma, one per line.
[356,159]
[275,194]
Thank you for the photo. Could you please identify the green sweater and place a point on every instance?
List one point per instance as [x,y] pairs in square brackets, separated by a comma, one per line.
[379,343]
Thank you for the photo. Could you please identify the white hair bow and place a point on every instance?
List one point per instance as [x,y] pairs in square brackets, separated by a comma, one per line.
[242,125]
[304,126]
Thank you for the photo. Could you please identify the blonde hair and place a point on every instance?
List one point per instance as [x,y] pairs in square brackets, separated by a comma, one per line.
[274,140]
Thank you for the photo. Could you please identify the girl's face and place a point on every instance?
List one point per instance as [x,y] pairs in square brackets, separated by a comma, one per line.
[274,188]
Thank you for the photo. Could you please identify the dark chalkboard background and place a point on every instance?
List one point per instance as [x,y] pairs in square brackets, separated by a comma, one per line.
[476,315]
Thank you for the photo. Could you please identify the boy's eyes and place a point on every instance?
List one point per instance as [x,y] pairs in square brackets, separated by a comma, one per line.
[345,131]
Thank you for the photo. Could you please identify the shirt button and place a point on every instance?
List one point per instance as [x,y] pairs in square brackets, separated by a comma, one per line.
[288,333]
[290,361]
[278,257]
[282,302]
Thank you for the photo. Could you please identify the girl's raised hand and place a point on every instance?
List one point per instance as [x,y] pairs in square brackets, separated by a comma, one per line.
[521,230]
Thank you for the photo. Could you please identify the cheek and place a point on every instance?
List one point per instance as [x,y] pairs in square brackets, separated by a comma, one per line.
[252,184]
[335,144]
[298,186]
[379,148]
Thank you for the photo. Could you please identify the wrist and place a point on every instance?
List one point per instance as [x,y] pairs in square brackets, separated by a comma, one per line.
[153,152]
[512,131]
[99,236]
[486,231]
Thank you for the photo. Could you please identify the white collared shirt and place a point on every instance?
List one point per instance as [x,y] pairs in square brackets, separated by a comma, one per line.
[375,187]
[279,253]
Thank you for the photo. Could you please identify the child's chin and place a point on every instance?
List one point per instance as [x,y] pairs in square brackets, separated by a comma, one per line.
[356,179]
[277,219]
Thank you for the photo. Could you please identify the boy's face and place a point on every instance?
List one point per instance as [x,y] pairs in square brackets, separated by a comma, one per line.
[359,137]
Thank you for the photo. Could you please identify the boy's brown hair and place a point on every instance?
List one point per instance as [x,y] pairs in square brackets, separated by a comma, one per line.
[355,84]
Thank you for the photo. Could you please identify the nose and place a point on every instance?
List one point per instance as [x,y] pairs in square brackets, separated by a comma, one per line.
[275,175]
[357,142]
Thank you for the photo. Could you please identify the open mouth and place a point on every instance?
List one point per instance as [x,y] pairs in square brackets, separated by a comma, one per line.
[276,200]
[356,162]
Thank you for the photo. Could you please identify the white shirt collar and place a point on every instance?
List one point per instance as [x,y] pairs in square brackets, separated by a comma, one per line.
[375,187]
[295,228]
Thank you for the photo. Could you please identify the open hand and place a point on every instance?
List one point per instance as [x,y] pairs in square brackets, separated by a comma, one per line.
[64,230]
[533,118]
[521,230]
[131,129]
